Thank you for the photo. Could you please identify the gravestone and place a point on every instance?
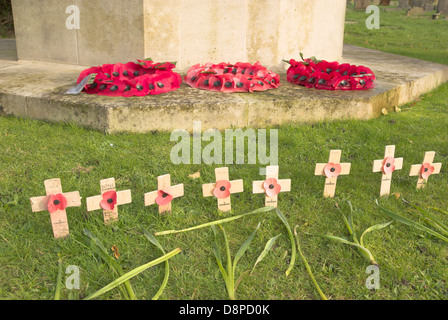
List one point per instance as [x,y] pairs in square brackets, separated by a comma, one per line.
[415,12]
[419,3]
[429,7]
[404,4]
[443,7]
[186,31]
[361,4]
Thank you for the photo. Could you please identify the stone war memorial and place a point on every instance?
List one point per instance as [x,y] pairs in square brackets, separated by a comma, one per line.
[147,145]
[58,39]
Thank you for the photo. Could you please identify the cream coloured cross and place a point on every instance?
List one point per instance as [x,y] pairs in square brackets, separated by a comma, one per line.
[58,218]
[123,197]
[222,174]
[259,186]
[164,185]
[384,167]
[332,173]
[427,165]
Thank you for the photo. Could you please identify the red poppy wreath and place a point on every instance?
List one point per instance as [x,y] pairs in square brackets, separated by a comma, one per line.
[132,79]
[324,75]
[238,77]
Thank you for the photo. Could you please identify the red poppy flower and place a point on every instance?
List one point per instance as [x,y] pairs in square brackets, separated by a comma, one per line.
[271,187]
[57,202]
[109,200]
[86,72]
[342,83]
[112,88]
[164,81]
[332,170]
[241,83]
[327,67]
[361,82]
[389,165]
[163,198]
[222,189]
[324,82]
[427,170]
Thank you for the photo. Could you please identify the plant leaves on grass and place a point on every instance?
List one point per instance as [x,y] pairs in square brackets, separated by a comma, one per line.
[229,274]
[57,295]
[127,276]
[266,250]
[291,239]
[412,223]
[307,266]
[154,241]
[98,248]
[214,223]
[355,242]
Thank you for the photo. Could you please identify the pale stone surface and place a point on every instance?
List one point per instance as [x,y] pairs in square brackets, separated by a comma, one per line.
[443,7]
[415,11]
[36,90]
[404,4]
[186,31]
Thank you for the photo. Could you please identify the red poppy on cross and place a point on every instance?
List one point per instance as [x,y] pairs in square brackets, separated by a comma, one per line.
[109,200]
[331,171]
[56,202]
[387,166]
[222,189]
[165,194]
[271,186]
[424,170]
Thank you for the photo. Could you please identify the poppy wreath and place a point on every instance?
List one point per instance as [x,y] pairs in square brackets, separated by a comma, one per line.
[132,79]
[324,75]
[238,77]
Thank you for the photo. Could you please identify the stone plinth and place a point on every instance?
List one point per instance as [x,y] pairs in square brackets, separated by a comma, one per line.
[186,31]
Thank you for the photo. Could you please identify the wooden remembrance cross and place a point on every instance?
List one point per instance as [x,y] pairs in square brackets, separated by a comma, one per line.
[109,200]
[331,171]
[387,166]
[222,189]
[271,186]
[424,170]
[55,202]
[165,194]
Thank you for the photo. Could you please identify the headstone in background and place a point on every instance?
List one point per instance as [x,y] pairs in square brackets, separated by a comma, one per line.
[385,3]
[443,7]
[404,4]
[419,3]
[415,12]
[429,7]
[361,4]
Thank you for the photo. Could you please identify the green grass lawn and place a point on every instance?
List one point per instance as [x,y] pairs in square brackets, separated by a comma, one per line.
[412,265]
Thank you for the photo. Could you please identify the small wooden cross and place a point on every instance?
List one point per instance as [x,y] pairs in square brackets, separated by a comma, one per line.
[331,171]
[271,186]
[424,170]
[55,202]
[109,200]
[387,166]
[165,194]
[222,189]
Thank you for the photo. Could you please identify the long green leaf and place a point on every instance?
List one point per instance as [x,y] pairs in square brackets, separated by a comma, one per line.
[244,248]
[373,228]
[231,276]
[214,223]
[433,221]
[217,253]
[154,241]
[291,239]
[133,273]
[98,248]
[266,250]
[57,295]
[307,266]
[412,223]
[366,251]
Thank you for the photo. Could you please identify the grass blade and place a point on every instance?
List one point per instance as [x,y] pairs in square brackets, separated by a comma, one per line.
[57,295]
[373,228]
[291,238]
[244,248]
[214,223]
[266,250]
[217,253]
[364,250]
[412,223]
[433,221]
[307,266]
[97,246]
[154,241]
[133,273]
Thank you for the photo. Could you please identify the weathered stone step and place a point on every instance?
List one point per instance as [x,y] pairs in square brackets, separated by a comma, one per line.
[36,90]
